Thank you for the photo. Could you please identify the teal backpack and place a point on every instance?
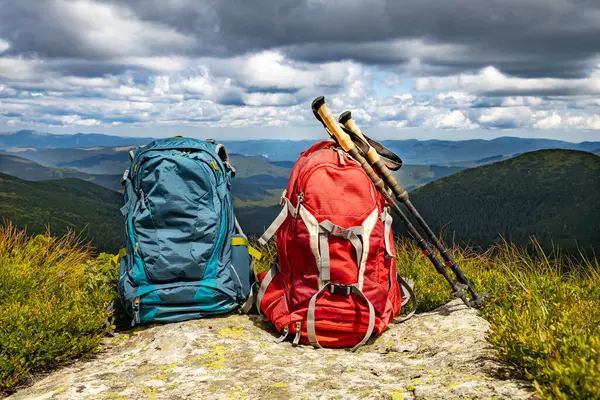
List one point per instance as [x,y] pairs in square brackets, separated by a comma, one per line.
[186,256]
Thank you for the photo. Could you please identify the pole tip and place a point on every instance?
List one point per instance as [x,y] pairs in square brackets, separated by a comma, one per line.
[318,103]
[344,117]
[477,300]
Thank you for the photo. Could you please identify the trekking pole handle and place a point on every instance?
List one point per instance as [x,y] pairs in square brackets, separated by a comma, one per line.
[374,158]
[327,118]
[346,120]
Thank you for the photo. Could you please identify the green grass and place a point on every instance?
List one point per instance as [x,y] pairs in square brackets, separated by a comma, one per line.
[53,302]
[543,308]
[544,311]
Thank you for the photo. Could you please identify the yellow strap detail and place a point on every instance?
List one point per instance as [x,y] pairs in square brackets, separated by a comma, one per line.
[122,253]
[239,241]
[254,253]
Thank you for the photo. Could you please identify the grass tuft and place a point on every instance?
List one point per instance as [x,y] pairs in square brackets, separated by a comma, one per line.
[53,302]
[544,311]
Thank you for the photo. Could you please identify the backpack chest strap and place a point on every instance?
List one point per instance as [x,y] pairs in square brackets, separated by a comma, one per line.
[327,228]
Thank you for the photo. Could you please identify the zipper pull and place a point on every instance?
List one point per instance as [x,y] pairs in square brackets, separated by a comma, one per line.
[135,305]
[284,335]
[296,341]
[137,248]
[300,201]
[342,160]
[142,200]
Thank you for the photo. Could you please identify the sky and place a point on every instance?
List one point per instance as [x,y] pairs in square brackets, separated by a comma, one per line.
[446,69]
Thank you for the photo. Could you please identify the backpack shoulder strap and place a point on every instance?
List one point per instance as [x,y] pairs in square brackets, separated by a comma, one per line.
[287,208]
[224,156]
[406,287]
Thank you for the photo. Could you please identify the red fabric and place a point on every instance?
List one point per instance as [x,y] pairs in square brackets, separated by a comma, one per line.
[337,189]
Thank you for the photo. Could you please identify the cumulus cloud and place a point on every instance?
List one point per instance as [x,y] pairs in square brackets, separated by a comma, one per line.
[491,81]
[19,68]
[149,63]
[552,121]
[505,117]
[4,45]
[451,120]
[77,120]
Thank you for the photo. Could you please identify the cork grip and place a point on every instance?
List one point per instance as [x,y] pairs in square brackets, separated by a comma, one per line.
[344,139]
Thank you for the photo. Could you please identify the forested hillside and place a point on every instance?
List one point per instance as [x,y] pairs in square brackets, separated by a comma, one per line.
[65,204]
[31,171]
[553,195]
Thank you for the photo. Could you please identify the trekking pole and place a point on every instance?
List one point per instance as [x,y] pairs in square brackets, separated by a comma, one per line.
[402,195]
[323,113]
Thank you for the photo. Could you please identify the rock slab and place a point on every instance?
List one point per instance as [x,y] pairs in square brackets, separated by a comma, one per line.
[437,355]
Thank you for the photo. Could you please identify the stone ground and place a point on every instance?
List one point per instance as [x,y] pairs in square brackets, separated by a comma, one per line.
[437,355]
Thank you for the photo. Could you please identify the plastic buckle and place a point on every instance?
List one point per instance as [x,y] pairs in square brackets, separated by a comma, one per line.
[338,289]
[282,198]
[338,231]
[124,177]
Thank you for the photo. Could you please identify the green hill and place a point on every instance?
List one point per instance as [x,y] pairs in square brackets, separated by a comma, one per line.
[91,160]
[414,176]
[247,166]
[553,195]
[65,204]
[32,171]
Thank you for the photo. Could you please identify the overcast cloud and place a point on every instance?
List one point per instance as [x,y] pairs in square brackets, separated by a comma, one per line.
[431,68]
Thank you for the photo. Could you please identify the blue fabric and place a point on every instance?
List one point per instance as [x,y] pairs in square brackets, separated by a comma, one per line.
[241,263]
[179,222]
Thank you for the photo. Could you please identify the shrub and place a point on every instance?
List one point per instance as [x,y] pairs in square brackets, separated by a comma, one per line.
[544,311]
[53,302]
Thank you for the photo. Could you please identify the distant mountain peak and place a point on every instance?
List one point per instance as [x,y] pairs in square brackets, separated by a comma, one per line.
[31,138]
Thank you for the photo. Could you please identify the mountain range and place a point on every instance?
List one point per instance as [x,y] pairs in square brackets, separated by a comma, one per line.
[493,188]
[412,151]
[43,140]
[31,171]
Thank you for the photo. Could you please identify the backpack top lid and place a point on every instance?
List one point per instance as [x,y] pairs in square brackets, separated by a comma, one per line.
[180,142]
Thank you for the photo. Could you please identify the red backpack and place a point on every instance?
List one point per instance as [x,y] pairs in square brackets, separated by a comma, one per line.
[334,283]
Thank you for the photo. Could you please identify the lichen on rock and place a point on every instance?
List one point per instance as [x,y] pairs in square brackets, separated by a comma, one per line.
[437,355]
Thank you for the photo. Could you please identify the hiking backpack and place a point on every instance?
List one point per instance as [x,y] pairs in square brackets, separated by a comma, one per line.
[335,281]
[183,257]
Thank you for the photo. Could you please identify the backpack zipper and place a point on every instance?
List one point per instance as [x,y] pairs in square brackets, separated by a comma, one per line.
[143,205]
[300,201]
[342,160]
[296,341]
[135,305]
